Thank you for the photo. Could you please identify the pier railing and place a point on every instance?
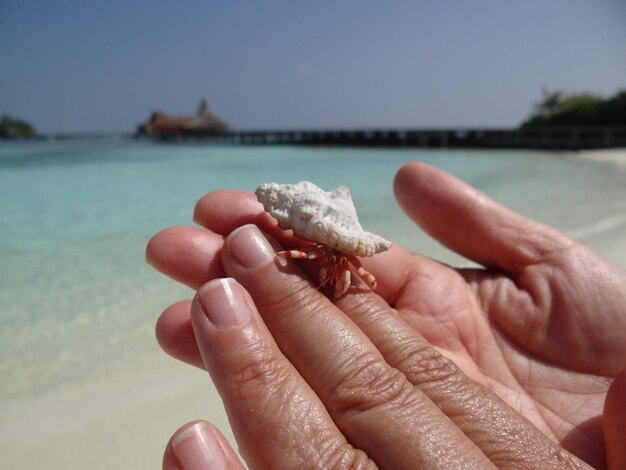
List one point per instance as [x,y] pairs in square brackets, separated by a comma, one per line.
[556,138]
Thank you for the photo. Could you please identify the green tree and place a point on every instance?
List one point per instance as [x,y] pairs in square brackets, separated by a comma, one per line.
[613,111]
[13,128]
[578,109]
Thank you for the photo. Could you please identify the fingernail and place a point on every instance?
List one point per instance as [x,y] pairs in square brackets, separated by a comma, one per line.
[222,302]
[249,247]
[195,448]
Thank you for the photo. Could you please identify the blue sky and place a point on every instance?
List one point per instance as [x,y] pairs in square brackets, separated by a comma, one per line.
[104,65]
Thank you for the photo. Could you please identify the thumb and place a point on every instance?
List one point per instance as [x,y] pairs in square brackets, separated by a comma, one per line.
[615,422]
[468,222]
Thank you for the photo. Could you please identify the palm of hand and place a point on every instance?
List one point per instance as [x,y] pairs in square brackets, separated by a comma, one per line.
[543,327]
[462,314]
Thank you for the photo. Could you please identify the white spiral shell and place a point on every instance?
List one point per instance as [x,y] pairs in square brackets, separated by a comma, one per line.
[324,217]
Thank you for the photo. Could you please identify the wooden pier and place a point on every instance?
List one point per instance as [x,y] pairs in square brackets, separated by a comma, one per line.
[553,138]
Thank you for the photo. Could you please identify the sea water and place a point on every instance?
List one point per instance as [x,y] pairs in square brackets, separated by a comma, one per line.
[77,301]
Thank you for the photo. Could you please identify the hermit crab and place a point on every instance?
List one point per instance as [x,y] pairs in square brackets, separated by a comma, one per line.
[329,220]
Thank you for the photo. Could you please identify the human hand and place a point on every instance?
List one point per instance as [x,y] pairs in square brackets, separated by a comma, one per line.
[506,328]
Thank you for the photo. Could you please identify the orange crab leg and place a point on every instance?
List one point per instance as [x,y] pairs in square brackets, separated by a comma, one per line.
[324,271]
[313,252]
[292,254]
[342,277]
[365,275]
[282,256]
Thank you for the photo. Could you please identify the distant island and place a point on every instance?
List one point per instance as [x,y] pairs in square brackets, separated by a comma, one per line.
[14,128]
[558,108]
[559,121]
[166,126]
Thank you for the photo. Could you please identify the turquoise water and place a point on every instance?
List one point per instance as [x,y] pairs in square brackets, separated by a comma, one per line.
[77,301]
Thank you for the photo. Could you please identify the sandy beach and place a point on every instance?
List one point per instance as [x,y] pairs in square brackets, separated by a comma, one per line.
[121,422]
[123,416]
[607,237]
[615,156]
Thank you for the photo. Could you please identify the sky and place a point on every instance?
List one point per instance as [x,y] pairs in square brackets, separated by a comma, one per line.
[103,66]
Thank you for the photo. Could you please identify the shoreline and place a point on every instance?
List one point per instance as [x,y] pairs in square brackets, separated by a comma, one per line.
[615,156]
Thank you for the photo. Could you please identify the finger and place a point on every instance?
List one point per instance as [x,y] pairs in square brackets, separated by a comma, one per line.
[241,207]
[174,332]
[614,419]
[199,446]
[508,439]
[278,421]
[226,210]
[372,403]
[186,254]
[485,420]
[471,224]
[175,335]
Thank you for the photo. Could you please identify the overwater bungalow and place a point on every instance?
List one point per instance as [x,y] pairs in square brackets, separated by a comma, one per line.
[167,126]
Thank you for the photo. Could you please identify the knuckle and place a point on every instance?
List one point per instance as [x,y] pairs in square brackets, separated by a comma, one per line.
[426,367]
[365,312]
[368,382]
[289,292]
[345,457]
[294,296]
[263,370]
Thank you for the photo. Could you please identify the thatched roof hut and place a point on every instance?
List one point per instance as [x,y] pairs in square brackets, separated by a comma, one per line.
[164,125]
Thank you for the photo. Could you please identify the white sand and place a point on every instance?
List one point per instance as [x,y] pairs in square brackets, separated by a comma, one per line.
[123,421]
[616,156]
[607,237]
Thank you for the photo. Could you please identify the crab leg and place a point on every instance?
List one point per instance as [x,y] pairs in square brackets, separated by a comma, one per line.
[328,268]
[292,254]
[367,277]
[313,252]
[363,274]
[342,277]
[324,270]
